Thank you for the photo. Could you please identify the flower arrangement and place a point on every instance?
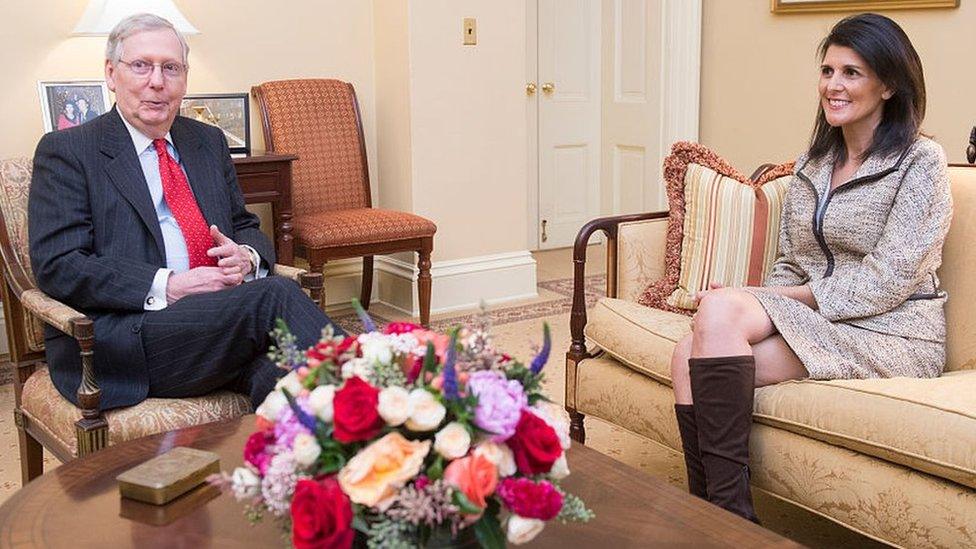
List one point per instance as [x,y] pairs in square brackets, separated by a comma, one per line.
[405,436]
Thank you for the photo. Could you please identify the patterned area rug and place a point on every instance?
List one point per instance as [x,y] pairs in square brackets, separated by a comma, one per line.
[595,288]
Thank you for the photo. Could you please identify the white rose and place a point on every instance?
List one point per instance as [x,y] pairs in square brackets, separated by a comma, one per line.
[320,401]
[245,484]
[291,383]
[394,405]
[499,454]
[560,469]
[359,367]
[452,441]
[272,406]
[376,350]
[426,413]
[305,449]
[523,530]
[556,417]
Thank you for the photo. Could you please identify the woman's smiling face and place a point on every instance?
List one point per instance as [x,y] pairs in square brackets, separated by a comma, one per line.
[850,92]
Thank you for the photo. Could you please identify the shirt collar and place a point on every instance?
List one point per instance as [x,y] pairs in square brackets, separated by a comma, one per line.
[141,140]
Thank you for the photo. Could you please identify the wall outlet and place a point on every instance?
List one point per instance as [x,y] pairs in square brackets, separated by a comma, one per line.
[470,31]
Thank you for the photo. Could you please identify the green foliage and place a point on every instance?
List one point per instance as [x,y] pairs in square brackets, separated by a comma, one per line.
[430,364]
[574,509]
[436,469]
[488,529]
[391,534]
[386,375]
[466,506]
[285,352]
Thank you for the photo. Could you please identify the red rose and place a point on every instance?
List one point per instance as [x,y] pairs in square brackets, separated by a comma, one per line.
[355,414]
[529,499]
[255,450]
[397,328]
[321,515]
[330,349]
[535,444]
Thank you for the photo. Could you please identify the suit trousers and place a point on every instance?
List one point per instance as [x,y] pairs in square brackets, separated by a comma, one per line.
[216,340]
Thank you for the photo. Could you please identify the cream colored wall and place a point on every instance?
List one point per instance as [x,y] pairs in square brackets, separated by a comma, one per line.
[242,43]
[392,75]
[468,125]
[759,77]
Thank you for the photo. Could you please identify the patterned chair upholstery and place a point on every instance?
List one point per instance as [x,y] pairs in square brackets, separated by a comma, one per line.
[318,120]
[43,416]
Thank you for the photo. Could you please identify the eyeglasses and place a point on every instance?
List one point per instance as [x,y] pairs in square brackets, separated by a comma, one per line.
[141,67]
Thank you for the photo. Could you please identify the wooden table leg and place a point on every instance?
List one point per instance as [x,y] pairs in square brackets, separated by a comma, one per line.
[284,240]
[423,283]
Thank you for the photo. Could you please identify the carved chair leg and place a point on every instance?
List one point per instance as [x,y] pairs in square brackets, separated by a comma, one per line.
[423,284]
[31,453]
[318,266]
[577,431]
[367,290]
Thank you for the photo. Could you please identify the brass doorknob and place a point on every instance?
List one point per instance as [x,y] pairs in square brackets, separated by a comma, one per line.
[530,88]
[548,87]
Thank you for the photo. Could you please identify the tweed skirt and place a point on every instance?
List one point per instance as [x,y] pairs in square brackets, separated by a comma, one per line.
[837,350]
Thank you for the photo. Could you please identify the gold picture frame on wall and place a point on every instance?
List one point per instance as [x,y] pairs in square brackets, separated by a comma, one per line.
[807,6]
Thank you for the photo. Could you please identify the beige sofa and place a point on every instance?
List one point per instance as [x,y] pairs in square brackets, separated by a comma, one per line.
[894,459]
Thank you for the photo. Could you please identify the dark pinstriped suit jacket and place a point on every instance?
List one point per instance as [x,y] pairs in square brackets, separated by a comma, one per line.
[95,241]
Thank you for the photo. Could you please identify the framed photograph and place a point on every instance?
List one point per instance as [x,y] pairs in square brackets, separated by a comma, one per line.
[801,6]
[227,111]
[70,103]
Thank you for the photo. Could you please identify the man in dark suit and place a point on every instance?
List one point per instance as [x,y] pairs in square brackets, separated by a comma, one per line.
[85,113]
[136,219]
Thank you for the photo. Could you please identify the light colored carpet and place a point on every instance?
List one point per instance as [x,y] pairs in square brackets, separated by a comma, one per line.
[517,328]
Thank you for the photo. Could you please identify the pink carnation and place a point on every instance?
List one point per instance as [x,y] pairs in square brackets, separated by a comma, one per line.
[397,328]
[256,451]
[529,499]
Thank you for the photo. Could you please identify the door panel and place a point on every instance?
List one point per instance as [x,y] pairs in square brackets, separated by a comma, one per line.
[569,118]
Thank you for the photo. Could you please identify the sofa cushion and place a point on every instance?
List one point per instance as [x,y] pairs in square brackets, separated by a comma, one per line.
[46,409]
[723,227]
[640,337]
[925,424]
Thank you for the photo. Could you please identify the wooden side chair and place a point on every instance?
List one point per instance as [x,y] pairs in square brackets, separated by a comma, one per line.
[43,417]
[319,120]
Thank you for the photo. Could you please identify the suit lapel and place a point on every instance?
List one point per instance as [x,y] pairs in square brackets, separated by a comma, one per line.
[199,170]
[126,174]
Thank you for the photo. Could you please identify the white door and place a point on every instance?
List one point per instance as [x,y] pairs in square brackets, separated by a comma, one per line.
[568,99]
[632,107]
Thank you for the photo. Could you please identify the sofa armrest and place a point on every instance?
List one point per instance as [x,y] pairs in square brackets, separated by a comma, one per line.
[310,282]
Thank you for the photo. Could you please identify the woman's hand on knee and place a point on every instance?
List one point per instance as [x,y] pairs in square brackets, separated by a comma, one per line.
[712,287]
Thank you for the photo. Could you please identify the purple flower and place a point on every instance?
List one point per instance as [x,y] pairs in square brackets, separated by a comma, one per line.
[287,427]
[500,403]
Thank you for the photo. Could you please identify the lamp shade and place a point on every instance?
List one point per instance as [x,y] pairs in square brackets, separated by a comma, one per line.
[101,16]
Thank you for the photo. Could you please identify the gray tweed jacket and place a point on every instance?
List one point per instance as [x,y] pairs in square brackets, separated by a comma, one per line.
[870,254]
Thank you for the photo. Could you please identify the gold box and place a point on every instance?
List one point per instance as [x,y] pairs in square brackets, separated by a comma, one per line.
[169,475]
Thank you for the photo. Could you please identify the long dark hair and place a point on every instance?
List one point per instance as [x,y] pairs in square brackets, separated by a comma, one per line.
[886,49]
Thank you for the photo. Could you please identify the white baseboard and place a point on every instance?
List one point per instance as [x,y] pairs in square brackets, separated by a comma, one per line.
[458,283]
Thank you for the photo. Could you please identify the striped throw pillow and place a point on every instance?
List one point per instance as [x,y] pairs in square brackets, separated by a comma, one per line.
[723,227]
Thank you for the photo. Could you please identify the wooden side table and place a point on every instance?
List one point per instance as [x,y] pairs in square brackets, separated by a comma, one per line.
[266,177]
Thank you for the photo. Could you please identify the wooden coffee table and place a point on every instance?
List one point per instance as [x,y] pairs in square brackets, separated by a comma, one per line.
[78,505]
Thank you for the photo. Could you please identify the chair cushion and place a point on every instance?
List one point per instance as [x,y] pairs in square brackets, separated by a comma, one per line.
[640,337]
[723,227]
[926,424]
[46,409]
[360,226]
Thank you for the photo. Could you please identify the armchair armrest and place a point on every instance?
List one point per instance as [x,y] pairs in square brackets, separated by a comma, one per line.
[51,311]
[310,282]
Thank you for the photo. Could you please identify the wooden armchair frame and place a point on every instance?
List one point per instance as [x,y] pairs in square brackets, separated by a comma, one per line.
[92,429]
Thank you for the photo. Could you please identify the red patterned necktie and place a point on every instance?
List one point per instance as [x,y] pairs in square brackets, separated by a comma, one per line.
[184,206]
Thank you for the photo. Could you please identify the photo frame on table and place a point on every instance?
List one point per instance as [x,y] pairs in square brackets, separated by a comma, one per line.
[807,6]
[69,103]
[228,111]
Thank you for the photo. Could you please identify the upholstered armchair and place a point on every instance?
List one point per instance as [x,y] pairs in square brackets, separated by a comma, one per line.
[43,417]
[318,120]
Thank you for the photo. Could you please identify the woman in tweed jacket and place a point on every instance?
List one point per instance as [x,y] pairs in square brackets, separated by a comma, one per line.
[854,292]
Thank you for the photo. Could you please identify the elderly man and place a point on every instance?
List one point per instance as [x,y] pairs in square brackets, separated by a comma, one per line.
[136,219]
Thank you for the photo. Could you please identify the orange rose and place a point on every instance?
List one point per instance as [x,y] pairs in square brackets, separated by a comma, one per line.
[375,474]
[475,476]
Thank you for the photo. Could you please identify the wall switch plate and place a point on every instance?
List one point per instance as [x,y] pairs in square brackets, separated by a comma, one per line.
[470,31]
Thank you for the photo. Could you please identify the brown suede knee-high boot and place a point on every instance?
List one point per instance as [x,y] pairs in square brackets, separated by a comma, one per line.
[689,445]
[722,389]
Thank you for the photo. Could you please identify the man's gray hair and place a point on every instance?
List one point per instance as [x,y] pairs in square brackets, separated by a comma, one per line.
[134,24]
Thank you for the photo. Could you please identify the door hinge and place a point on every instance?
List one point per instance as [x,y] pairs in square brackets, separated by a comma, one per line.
[545,236]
